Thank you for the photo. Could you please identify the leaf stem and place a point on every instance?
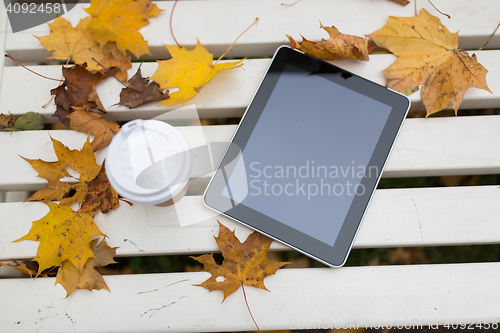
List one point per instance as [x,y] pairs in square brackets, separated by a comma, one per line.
[50,100]
[45,77]
[489,39]
[248,307]
[290,4]
[171,30]
[236,40]
[440,12]
[107,70]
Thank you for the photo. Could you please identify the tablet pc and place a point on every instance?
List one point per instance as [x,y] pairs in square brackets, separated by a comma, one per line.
[307,155]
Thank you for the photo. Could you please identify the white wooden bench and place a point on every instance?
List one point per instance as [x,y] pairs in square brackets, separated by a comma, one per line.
[372,296]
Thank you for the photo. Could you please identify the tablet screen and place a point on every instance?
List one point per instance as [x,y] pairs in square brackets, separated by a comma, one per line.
[317,158]
[307,155]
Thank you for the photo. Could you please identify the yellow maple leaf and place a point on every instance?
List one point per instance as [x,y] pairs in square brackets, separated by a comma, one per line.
[78,44]
[66,42]
[428,55]
[82,161]
[338,46]
[120,21]
[63,235]
[188,70]
[71,279]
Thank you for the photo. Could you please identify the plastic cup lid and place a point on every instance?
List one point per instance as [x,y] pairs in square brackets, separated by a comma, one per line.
[148,162]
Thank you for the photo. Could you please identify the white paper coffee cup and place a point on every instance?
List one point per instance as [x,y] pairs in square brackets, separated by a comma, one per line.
[149,162]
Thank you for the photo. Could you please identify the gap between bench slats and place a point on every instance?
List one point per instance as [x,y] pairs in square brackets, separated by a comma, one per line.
[425,147]
[217,24]
[383,295]
[396,217]
[227,95]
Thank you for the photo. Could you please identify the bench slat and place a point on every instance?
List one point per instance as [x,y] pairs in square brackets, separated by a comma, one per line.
[396,217]
[227,95]
[3,27]
[450,146]
[218,30]
[390,295]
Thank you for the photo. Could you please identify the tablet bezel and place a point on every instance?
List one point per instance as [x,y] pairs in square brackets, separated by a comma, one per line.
[336,255]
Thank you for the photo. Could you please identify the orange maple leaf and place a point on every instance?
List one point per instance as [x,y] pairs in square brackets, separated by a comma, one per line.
[63,235]
[7,121]
[89,278]
[244,263]
[188,70]
[82,161]
[339,46]
[23,268]
[428,55]
[120,21]
[90,122]
[115,61]
[101,195]
[78,44]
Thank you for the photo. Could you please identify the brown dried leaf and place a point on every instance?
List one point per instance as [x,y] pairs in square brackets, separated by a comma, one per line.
[78,90]
[244,263]
[7,121]
[101,195]
[339,46]
[141,91]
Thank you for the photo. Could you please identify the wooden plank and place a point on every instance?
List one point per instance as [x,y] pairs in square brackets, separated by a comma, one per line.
[444,146]
[227,95]
[396,217]
[450,146]
[37,144]
[3,29]
[229,18]
[417,295]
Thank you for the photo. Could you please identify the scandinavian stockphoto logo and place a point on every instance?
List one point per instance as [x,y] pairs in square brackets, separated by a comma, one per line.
[25,14]
[309,179]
